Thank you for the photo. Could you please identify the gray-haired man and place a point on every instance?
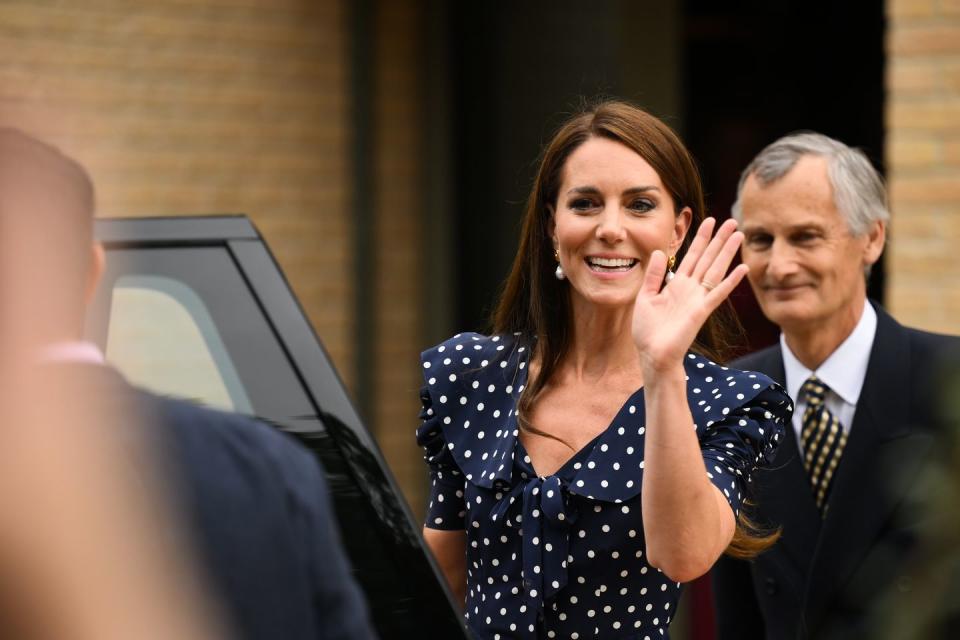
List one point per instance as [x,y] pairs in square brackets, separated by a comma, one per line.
[814,215]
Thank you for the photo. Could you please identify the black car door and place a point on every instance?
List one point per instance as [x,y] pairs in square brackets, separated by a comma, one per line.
[197,307]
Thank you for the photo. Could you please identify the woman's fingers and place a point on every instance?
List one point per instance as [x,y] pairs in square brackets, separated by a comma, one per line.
[656,270]
[718,269]
[706,262]
[713,250]
[726,286]
[700,242]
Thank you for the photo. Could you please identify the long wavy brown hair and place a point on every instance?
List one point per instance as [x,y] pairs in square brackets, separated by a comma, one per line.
[537,305]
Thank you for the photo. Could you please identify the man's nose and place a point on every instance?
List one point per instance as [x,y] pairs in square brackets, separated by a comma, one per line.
[610,225]
[783,260]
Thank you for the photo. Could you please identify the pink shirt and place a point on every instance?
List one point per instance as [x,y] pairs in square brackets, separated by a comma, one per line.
[78,351]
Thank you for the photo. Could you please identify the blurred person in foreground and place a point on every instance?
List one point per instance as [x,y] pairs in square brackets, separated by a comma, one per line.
[814,216]
[590,456]
[251,504]
[85,551]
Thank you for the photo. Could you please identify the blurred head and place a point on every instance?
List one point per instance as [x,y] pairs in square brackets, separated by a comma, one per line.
[48,262]
[613,183]
[813,212]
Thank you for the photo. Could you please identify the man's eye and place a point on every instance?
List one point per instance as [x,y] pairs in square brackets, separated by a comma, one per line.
[759,241]
[804,237]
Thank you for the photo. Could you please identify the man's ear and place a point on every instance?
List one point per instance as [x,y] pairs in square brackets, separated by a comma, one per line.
[98,262]
[876,238]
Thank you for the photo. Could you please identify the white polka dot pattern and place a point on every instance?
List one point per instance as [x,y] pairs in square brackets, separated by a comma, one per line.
[563,555]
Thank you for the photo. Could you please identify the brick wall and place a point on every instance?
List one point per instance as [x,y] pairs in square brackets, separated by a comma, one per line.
[202,106]
[923,161]
[398,237]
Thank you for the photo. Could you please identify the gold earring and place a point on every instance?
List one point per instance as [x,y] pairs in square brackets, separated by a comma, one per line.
[556,255]
[671,262]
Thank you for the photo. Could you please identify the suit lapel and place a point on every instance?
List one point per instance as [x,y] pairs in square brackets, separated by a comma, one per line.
[865,492]
[788,501]
[784,496]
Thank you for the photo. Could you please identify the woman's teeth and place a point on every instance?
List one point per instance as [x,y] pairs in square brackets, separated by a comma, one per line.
[611,264]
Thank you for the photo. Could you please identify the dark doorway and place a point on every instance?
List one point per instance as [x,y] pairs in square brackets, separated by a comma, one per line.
[518,68]
[755,71]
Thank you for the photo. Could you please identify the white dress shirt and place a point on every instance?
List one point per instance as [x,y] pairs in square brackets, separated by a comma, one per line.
[843,372]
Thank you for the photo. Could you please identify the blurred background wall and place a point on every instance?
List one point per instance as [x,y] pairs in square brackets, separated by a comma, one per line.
[202,106]
[384,147]
[922,110]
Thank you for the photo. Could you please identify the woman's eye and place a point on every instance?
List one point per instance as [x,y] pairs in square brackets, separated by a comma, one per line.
[642,205]
[581,204]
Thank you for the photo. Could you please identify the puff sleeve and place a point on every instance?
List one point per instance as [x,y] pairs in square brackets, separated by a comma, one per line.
[740,418]
[446,509]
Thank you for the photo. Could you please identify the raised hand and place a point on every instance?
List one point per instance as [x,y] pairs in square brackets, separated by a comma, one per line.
[666,319]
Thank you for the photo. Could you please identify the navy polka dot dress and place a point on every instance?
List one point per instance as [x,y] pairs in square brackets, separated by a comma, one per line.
[563,556]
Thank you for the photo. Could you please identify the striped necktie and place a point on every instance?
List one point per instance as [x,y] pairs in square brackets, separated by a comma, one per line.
[822,439]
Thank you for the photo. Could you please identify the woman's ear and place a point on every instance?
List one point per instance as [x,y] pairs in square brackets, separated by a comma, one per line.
[681,225]
[552,225]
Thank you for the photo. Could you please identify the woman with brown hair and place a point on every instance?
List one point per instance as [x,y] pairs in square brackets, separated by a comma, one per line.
[589,457]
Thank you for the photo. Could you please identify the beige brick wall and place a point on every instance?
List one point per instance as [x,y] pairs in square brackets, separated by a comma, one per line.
[399,205]
[923,162]
[183,107]
[202,106]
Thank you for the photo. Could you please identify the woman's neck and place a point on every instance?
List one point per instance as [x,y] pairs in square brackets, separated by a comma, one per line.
[601,345]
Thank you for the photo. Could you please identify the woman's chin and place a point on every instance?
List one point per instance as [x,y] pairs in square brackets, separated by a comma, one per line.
[608,300]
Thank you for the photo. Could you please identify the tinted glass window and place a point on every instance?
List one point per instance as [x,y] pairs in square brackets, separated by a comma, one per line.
[182,321]
[161,335]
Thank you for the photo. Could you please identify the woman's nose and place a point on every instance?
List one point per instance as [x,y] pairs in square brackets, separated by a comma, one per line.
[610,225]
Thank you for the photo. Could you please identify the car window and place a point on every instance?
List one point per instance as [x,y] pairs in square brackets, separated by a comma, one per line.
[162,336]
[182,321]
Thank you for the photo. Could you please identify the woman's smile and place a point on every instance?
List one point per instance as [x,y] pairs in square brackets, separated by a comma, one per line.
[606,266]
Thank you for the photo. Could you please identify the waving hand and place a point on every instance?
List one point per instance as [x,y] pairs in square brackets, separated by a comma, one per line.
[666,319]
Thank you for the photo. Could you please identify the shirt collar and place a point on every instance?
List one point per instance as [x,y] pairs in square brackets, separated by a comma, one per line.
[844,370]
[77,351]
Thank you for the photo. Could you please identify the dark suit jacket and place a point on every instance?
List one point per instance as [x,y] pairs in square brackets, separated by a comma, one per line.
[823,575]
[254,504]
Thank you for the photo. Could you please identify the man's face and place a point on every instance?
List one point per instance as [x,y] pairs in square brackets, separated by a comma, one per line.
[806,268]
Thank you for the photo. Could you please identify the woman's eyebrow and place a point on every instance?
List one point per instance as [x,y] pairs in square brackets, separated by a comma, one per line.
[588,190]
[644,189]
[591,190]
